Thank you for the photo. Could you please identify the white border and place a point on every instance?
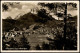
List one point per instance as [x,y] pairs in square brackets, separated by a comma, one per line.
[43,50]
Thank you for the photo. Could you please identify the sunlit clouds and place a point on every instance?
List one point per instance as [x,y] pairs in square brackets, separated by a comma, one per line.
[25,7]
[21,8]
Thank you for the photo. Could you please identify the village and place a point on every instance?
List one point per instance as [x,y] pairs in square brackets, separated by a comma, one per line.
[35,32]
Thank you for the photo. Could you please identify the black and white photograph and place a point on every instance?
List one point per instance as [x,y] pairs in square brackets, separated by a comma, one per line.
[39,26]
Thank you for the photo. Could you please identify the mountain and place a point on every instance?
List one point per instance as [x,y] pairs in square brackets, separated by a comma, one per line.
[26,20]
[23,21]
[8,24]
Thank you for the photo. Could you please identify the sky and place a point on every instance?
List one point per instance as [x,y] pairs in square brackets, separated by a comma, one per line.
[23,8]
[16,9]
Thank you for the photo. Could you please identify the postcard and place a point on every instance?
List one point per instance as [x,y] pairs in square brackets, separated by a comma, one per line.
[37,26]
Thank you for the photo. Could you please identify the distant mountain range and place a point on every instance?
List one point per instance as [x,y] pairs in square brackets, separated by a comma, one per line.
[22,21]
[28,19]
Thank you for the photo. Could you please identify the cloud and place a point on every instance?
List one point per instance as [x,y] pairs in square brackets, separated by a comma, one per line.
[16,9]
[23,8]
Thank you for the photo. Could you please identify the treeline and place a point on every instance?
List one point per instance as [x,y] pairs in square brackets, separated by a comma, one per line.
[55,43]
[24,44]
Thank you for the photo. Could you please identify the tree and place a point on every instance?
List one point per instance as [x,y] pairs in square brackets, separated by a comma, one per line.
[13,43]
[4,45]
[57,42]
[71,39]
[44,17]
[24,43]
[38,47]
[45,46]
[4,7]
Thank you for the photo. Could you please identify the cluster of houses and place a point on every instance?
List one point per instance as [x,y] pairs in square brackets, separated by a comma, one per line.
[42,30]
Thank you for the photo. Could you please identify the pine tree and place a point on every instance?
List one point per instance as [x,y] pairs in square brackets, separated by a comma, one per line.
[13,43]
[45,46]
[24,43]
[38,47]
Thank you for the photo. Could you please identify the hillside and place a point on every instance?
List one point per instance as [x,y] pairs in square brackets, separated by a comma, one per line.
[28,19]
[23,21]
